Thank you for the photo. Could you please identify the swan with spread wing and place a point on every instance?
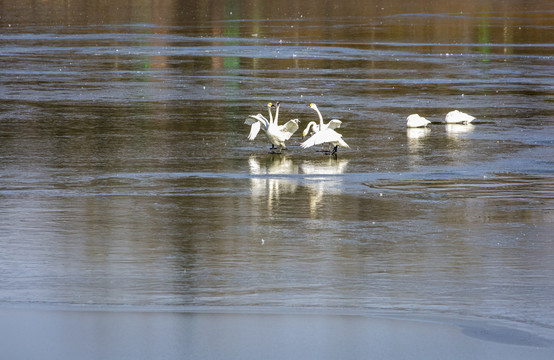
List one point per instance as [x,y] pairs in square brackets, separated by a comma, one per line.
[276,134]
[324,133]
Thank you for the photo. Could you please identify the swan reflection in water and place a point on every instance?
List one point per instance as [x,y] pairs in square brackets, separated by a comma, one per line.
[323,179]
[415,137]
[454,130]
[417,144]
[319,177]
[272,187]
[459,144]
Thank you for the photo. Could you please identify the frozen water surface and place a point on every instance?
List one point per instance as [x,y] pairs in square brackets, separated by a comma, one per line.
[129,192]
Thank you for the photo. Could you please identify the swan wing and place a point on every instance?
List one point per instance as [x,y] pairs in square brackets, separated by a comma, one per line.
[289,128]
[254,130]
[256,122]
[251,119]
[458,117]
[308,143]
[466,117]
[341,142]
[334,124]
[327,135]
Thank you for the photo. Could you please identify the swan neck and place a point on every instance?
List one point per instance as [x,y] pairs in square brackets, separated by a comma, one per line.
[320,119]
[270,115]
[277,114]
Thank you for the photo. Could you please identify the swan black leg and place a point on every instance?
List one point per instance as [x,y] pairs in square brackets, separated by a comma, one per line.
[273,150]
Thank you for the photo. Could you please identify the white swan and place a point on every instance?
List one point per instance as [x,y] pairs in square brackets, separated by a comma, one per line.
[324,133]
[415,121]
[456,117]
[277,134]
[332,124]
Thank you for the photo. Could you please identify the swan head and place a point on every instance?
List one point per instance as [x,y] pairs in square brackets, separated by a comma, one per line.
[307,129]
[313,106]
[270,105]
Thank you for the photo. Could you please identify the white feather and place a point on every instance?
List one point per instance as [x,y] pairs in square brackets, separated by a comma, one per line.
[456,117]
[414,121]
[324,133]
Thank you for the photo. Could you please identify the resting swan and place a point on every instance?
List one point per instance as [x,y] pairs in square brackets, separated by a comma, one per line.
[456,117]
[324,133]
[415,121]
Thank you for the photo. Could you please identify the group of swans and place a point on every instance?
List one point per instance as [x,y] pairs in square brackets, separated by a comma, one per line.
[453,117]
[278,134]
[324,133]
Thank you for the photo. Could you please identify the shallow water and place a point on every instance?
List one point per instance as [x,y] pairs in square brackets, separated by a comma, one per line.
[127,179]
